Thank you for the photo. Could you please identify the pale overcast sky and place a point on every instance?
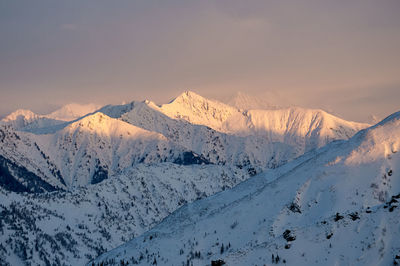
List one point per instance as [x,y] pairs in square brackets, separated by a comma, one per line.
[339,55]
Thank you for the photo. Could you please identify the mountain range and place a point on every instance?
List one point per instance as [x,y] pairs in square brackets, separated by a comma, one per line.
[83,180]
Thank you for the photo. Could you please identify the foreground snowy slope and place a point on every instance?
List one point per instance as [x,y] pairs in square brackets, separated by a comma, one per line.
[73,227]
[334,206]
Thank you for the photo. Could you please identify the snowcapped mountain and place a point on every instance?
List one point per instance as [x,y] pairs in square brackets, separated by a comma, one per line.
[337,205]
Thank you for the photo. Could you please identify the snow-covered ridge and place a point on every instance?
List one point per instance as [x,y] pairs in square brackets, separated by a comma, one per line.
[335,206]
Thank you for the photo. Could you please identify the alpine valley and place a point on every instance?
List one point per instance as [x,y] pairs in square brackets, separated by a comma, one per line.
[195,181]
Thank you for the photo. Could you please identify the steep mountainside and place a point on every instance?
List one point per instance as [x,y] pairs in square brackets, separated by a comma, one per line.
[334,206]
[25,164]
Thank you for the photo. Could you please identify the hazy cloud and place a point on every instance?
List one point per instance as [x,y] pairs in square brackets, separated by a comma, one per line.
[335,55]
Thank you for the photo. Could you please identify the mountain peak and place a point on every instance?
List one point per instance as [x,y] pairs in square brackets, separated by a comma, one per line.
[26,114]
[190,99]
[97,121]
[188,96]
[198,110]
[73,111]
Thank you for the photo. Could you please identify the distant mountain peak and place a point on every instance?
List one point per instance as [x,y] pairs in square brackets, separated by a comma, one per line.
[188,96]
[24,113]
[198,110]
[73,111]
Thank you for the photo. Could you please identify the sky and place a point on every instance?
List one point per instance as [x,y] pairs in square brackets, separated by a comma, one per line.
[342,56]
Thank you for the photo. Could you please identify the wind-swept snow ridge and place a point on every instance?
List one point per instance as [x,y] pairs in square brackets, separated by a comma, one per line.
[335,206]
